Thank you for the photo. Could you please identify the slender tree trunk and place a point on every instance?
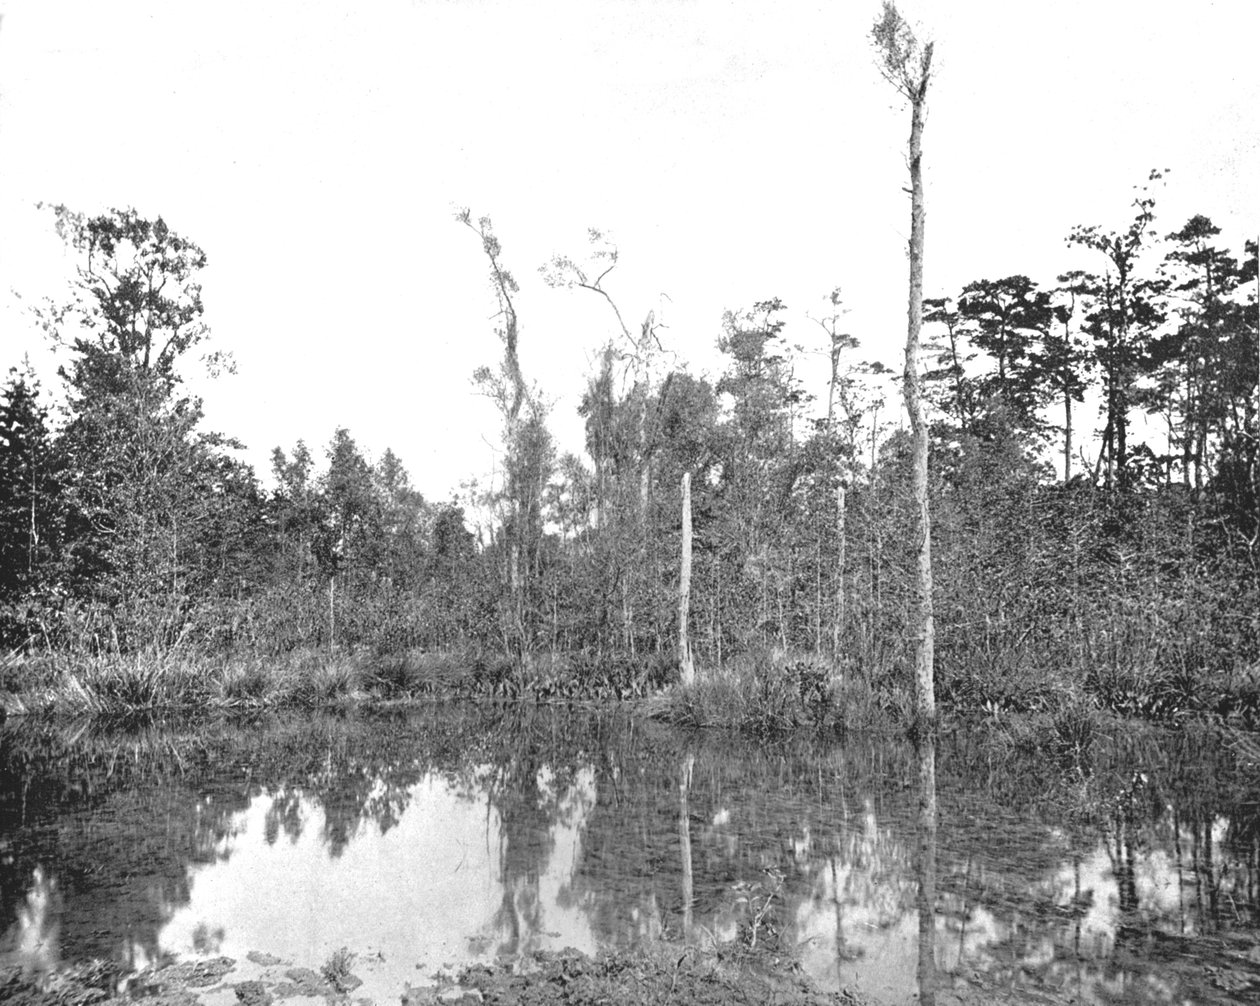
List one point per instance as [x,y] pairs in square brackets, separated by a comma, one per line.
[1200,454]
[1104,456]
[1187,436]
[332,619]
[921,526]
[831,384]
[1067,436]
[686,668]
[515,593]
[717,604]
[818,592]
[957,371]
[837,627]
[1122,436]
[32,534]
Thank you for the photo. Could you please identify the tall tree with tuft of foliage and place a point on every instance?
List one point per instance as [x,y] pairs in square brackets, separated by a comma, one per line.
[906,63]
[529,449]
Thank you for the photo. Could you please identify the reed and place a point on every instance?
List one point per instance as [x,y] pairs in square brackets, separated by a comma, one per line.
[187,678]
[769,692]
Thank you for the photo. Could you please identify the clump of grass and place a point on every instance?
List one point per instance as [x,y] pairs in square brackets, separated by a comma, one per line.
[494,676]
[416,672]
[393,677]
[336,971]
[126,684]
[113,683]
[768,693]
[1073,727]
[581,676]
[323,679]
[1240,698]
[246,682]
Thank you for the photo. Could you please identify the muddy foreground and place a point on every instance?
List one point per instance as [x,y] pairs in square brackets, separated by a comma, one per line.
[662,975]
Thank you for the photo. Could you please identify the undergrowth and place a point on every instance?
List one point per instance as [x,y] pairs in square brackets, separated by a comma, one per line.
[766,693]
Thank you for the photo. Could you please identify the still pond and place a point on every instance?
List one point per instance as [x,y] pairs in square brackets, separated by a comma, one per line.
[1124,872]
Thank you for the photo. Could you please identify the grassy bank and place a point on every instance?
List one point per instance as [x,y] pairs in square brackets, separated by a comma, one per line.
[760,693]
[113,684]
[182,680]
[766,693]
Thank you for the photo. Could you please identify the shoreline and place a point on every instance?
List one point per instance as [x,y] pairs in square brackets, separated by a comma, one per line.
[758,694]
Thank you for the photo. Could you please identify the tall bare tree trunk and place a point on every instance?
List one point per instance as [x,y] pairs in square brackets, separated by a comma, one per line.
[907,65]
[686,668]
[837,627]
[818,592]
[925,629]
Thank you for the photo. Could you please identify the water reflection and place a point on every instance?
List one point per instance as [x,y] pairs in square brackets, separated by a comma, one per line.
[38,932]
[468,834]
[925,867]
[441,884]
[684,846]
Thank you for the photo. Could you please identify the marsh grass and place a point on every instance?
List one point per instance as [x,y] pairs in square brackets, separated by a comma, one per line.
[102,684]
[1166,663]
[416,672]
[765,693]
[187,679]
[244,682]
[313,681]
[78,682]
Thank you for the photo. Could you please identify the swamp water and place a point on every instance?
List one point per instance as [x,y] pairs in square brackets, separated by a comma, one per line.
[433,838]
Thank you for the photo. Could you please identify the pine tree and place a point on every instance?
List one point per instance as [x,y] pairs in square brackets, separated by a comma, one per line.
[28,490]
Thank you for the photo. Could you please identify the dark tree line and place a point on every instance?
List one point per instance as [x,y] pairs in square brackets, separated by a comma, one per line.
[124,524]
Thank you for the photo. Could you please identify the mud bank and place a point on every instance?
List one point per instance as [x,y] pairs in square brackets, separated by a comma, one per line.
[665,973]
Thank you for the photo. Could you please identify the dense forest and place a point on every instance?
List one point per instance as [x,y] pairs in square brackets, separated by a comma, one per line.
[1123,565]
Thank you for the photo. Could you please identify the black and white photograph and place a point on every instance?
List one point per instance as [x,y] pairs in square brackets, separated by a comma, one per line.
[629,502]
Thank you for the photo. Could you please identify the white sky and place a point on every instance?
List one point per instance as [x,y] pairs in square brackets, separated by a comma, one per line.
[735,151]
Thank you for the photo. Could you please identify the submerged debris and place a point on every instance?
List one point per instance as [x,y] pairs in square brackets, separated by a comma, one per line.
[254,993]
[682,975]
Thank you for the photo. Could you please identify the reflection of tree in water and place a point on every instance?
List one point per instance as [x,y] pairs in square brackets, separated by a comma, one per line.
[925,870]
[687,765]
[755,815]
[1124,838]
[357,775]
[525,811]
[1028,894]
[92,812]
[1026,873]
[531,781]
[284,815]
[1132,896]
[117,818]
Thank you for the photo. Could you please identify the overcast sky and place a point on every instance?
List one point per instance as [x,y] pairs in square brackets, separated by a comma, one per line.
[735,152]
